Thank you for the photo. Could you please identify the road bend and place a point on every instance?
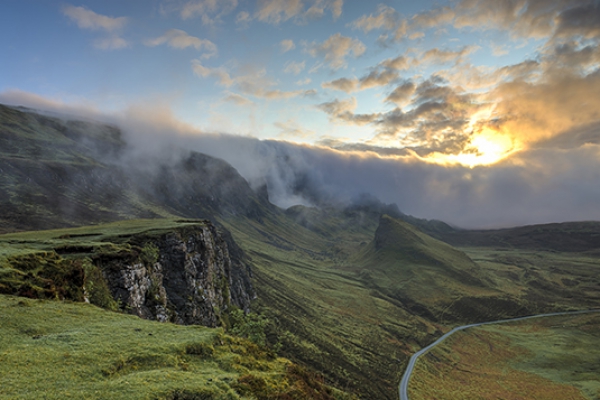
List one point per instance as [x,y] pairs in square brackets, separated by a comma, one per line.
[403,387]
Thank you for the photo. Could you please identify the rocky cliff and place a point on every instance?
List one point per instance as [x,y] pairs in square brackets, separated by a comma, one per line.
[183,271]
[186,276]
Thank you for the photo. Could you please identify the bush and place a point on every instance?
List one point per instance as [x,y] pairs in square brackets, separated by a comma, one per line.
[250,326]
[96,288]
[203,350]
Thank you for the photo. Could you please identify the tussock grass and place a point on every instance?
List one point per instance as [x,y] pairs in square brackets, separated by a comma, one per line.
[58,350]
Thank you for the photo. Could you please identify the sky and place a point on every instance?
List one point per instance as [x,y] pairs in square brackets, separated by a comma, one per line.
[483,113]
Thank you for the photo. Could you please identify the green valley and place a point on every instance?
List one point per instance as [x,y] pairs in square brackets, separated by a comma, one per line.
[345,291]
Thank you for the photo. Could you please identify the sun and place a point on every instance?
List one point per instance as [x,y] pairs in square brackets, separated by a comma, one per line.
[486,147]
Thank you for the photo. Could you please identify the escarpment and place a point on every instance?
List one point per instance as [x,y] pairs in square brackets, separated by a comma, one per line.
[186,272]
[186,276]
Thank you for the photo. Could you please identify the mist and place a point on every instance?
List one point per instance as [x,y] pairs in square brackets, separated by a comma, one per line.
[549,183]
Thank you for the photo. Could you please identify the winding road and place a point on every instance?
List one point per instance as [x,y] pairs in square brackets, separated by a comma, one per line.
[403,387]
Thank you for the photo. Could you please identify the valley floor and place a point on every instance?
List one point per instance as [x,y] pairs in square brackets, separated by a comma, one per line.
[547,358]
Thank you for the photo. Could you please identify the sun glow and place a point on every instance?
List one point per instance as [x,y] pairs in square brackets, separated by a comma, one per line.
[485,147]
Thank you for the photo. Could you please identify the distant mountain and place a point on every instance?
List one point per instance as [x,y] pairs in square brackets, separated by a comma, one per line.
[567,236]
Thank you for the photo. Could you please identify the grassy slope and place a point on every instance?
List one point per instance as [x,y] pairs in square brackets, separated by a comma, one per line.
[333,294]
[553,357]
[354,301]
[51,174]
[545,280]
[423,273]
[59,350]
[326,317]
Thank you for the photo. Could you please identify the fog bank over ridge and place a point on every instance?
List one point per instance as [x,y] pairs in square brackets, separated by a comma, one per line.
[558,180]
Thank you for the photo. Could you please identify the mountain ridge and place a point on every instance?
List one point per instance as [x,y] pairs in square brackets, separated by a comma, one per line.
[348,291]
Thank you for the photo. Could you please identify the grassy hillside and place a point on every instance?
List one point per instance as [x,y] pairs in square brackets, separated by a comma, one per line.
[59,172]
[550,358]
[347,292]
[324,316]
[422,273]
[354,301]
[57,350]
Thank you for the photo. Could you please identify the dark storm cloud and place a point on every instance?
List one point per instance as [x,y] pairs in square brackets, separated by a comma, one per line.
[583,20]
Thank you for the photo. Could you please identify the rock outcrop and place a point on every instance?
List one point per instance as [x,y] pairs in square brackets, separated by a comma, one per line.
[186,275]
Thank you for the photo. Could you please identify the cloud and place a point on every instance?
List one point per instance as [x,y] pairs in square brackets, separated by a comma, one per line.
[237,99]
[534,112]
[87,19]
[378,78]
[523,19]
[343,111]
[291,129]
[287,45]
[432,18]
[243,17]
[347,85]
[294,67]
[317,10]
[498,51]
[76,107]
[401,94]
[529,18]
[179,39]
[256,83]
[112,42]
[303,82]
[387,18]
[278,11]
[335,49]
[220,74]
[582,20]
[554,182]
[439,56]
[336,8]
[250,81]
[399,63]
[373,79]
[209,11]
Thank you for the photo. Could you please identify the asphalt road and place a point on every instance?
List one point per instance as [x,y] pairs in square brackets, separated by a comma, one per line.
[403,387]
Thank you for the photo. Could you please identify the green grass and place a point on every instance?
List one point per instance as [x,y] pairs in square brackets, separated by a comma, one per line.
[357,311]
[555,357]
[545,279]
[58,350]
[343,297]
[84,240]
[324,314]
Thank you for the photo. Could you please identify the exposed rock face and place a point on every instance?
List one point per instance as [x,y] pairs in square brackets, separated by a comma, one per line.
[186,276]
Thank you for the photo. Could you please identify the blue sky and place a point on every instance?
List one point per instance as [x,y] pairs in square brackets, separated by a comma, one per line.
[479,86]
[278,55]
